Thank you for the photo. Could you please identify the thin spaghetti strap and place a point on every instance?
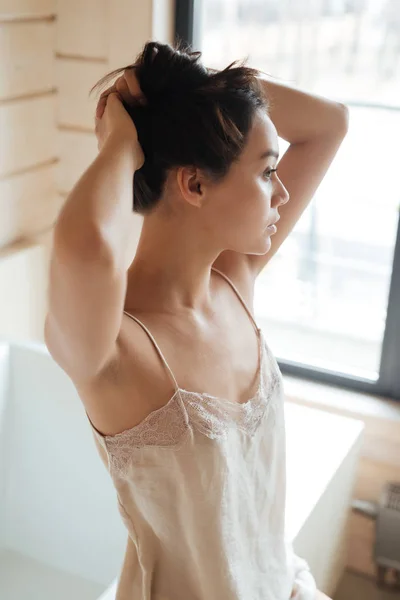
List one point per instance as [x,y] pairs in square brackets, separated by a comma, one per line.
[239,296]
[157,348]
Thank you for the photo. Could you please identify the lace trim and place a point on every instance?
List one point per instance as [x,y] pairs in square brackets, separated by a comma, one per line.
[214,417]
[163,428]
[210,415]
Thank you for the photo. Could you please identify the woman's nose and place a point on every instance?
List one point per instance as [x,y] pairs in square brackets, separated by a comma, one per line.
[282,197]
[285,198]
[283,194]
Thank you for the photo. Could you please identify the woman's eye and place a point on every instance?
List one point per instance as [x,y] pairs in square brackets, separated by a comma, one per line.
[269,172]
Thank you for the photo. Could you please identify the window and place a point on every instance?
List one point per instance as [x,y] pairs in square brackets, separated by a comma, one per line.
[329,301]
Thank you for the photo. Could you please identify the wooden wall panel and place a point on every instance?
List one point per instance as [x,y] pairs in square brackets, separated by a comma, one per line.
[83,28]
[76,151]
[24,71]
[27,7]
[74,80]
[28,204]
[45,45]
[130,26]
[27,134]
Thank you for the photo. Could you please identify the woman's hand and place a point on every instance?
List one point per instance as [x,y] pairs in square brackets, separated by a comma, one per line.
[112,120]
[127,85]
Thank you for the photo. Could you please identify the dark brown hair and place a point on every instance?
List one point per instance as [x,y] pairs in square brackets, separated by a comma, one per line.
[194,115]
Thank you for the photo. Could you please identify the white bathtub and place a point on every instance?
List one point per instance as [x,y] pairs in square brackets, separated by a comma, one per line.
[60,531]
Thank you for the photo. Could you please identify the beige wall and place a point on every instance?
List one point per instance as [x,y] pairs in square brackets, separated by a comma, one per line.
[28,158]
[51,53]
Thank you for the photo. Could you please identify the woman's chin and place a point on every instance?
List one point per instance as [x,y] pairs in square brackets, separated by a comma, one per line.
[257,247]
[267,237]
[263,247]
[268,245]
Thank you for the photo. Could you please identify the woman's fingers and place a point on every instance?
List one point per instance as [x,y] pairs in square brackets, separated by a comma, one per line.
[123,89]
[133,85]
[103,101]
[127,87]
[102,126]
[100,107]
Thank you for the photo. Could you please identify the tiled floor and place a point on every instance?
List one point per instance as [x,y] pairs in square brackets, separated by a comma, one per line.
[355,587]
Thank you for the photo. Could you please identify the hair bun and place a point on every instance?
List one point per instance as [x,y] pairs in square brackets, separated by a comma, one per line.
[193,115]
[163,70]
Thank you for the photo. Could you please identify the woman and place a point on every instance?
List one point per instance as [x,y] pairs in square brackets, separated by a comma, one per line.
[186,402]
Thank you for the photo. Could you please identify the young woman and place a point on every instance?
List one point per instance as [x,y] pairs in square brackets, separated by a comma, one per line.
[183,394]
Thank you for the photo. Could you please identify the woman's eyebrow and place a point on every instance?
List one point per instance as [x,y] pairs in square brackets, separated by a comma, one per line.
[269,153]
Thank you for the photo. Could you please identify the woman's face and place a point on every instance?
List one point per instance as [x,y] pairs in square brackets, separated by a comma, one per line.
[239,209]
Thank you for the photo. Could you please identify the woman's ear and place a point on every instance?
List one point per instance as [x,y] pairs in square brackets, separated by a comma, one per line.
[191,184]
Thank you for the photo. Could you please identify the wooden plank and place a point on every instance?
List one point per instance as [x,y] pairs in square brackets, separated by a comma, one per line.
[76,150]
[360,544]
[24,277]
[15,19]
[26,243]
[371,477]
[82,28]
[24,70]
[382,449]
[27,7]
[130,27]
[27,134]
[28,204]
[90,59]
[74,79]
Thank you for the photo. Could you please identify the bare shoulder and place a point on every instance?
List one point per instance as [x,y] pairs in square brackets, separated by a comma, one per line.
[134,381]
[129,387]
